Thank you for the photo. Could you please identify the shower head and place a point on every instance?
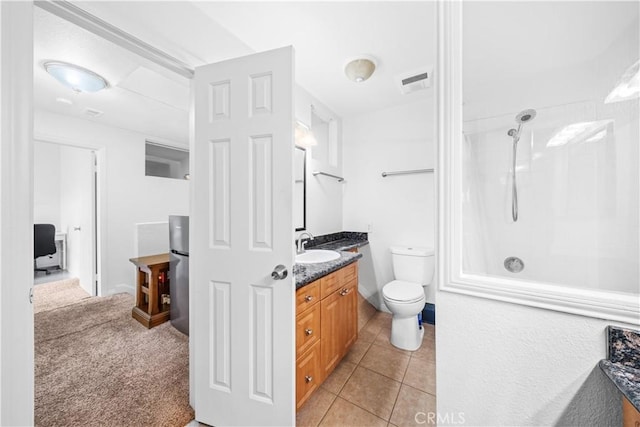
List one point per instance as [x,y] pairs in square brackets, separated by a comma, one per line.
[525,116]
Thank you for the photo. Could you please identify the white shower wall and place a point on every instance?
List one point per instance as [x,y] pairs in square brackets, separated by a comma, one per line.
[577,207]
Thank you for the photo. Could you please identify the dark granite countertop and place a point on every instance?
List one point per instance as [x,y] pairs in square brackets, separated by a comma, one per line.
[307,273]
[339,242]
[625,378]
[342,241]
[340,245]
[623,363]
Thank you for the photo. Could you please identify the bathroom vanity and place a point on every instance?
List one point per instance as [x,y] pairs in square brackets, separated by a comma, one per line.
[622,367]
[326,319]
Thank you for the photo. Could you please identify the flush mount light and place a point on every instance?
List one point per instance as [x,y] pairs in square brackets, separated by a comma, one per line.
[76,78]
[360,69]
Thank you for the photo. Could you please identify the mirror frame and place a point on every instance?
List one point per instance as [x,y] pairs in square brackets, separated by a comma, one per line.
[304,187]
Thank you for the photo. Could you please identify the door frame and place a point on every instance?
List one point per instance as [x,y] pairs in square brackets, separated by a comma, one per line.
[99,214]
[16,214]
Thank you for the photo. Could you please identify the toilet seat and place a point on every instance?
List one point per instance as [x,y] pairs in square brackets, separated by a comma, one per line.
[403,292]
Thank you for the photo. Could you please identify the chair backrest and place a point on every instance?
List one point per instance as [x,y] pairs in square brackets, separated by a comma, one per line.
[44,240]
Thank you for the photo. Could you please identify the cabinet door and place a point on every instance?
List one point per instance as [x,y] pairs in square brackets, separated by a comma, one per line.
[332,336]
[308,373]
[349,308]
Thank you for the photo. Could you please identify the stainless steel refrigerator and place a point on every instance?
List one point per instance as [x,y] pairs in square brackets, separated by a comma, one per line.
[179,271]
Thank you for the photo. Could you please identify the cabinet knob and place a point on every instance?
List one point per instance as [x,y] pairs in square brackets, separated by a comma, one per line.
[308,298]
[308,378]
[344,292]
[308,331]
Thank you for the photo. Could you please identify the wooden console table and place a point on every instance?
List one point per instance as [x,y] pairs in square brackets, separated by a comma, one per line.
[152,275]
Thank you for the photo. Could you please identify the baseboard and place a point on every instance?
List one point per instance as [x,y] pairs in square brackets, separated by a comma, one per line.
[122,288]
[372,297]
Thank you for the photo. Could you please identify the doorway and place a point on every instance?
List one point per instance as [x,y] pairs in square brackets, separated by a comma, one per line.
[65,195]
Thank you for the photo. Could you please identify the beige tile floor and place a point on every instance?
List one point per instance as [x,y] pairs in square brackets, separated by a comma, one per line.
[377,384]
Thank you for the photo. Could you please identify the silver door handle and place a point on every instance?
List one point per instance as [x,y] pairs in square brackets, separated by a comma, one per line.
[280,272]
[77,228]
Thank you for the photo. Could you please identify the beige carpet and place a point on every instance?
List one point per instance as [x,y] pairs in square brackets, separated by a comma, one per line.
[96,366]
[50,296]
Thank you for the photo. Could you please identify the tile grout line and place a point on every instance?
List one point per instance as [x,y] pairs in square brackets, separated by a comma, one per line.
[328,409]
[394,403]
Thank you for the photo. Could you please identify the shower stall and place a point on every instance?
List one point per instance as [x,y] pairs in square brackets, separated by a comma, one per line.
[549,156]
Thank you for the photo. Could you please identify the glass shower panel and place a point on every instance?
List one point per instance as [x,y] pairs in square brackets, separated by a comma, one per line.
[576,162]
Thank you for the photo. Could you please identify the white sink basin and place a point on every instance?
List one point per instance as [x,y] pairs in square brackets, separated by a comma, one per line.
[314,256]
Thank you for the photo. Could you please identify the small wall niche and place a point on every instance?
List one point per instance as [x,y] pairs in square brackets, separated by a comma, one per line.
[165,161]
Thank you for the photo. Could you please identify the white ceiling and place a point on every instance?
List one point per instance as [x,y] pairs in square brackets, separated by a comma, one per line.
[324,35]
[142,97]
[400,35]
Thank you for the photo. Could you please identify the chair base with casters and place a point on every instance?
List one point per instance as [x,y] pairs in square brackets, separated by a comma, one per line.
[47,269]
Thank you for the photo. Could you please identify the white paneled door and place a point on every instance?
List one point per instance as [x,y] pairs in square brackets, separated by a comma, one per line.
[242,319]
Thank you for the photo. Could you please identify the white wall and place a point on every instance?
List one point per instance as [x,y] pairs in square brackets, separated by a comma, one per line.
[396,210]
[46,184]
[507,364]
[324,194]
[128,196]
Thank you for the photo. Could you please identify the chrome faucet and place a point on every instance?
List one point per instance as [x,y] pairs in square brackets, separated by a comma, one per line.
[300,244]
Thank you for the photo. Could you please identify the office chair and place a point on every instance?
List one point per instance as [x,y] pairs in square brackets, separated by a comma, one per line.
[44,243]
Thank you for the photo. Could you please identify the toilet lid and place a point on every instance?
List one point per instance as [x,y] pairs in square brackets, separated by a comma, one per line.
[403,291]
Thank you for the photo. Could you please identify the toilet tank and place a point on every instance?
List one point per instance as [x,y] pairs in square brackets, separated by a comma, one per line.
[413,264]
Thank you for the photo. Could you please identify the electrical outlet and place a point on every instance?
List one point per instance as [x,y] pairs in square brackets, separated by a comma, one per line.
[369,228]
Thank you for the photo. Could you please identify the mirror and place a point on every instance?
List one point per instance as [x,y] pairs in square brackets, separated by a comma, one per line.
[300,188]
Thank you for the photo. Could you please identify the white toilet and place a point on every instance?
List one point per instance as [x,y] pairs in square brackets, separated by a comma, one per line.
[405,296]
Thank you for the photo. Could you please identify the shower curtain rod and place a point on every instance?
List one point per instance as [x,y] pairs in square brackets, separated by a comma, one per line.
[385,174]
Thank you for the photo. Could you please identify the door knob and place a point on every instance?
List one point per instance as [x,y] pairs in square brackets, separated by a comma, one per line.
[280,272]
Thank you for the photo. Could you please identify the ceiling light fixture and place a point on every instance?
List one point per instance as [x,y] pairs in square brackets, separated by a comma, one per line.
[76,78]
[360,69]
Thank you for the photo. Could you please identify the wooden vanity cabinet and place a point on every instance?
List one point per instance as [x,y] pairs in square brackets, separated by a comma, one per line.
[326,327]
[630,415]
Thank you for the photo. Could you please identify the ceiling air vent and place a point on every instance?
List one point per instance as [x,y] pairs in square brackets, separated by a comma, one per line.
[93,113]
[414,81]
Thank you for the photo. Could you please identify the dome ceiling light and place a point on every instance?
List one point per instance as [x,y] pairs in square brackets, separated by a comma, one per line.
[76,78]
[360,69]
